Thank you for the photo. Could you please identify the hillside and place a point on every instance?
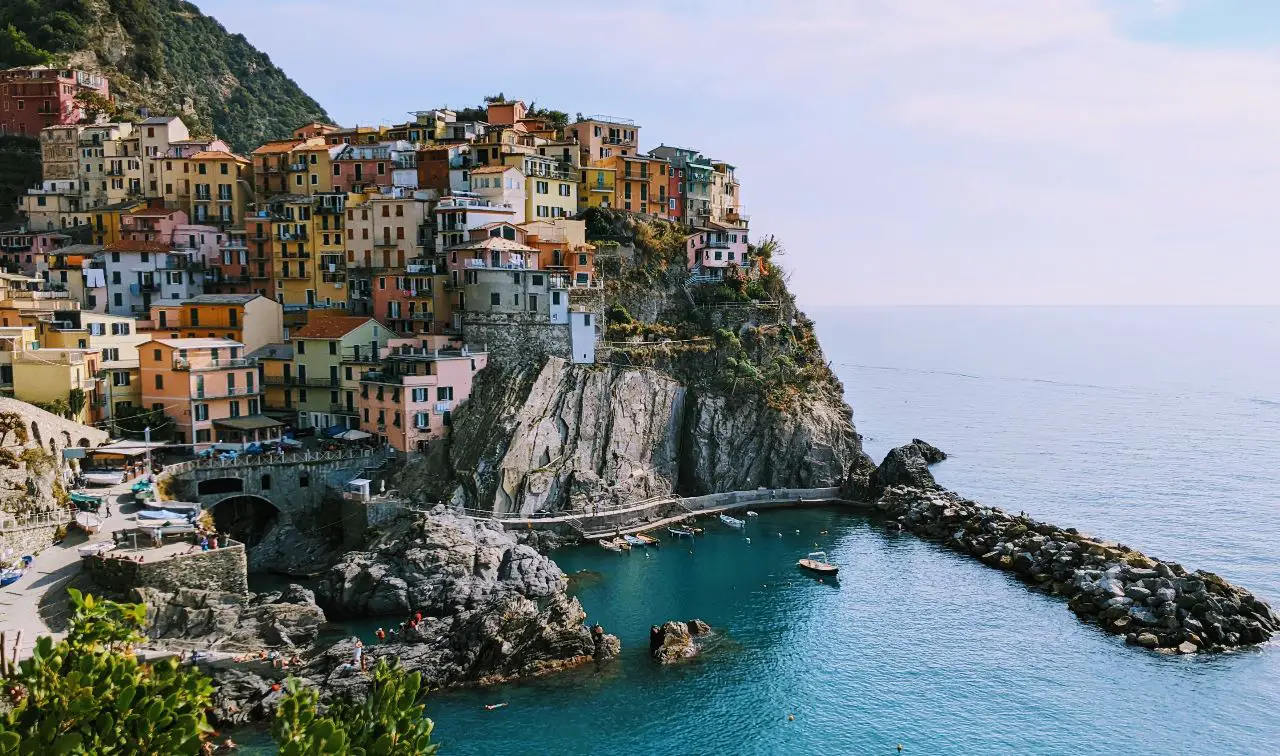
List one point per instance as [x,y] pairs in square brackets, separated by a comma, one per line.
[165,55]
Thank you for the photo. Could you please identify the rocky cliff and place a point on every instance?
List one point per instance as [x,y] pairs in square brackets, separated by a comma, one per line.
[697,389]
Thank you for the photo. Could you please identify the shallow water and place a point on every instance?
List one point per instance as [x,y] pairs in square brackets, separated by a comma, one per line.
[1156,427]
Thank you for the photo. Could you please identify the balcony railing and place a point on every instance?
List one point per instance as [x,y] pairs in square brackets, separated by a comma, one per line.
[186,364]
[299,235]
[297,166]
[342,409]
[231,392]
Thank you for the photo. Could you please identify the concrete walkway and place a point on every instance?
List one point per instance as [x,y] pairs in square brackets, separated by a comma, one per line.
[52,571]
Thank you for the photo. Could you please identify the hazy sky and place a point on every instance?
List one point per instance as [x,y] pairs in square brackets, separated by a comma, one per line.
[905,151]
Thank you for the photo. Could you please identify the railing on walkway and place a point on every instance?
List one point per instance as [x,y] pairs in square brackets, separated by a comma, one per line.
[10,523]
[257,460]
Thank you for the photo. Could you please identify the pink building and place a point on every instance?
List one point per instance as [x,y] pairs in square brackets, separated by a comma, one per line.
[409,401]
[33,97]
[26,252]
[716,248]
[151,224]
[208,389]
[205,241]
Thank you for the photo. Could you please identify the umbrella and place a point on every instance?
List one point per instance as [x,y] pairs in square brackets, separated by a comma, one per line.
[353,435]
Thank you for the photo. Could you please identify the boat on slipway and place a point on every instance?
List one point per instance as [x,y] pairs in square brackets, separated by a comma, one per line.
[88,522]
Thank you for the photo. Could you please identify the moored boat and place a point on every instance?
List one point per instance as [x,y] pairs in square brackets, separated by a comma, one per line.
[751,513]
[647,539]
[183,507]
[10,576]
[732,522]
[610,544]
[104,478]
[680,532]
[94,549]
[86,501]
[817,562]
[632,540]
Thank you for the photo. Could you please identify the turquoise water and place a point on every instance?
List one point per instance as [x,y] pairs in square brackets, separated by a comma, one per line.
[1157,427]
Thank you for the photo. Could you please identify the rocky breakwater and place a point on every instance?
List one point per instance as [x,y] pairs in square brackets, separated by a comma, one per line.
[1154,604]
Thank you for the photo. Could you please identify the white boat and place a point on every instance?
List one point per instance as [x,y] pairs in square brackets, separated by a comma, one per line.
[104,478]
[88,522]
[750,513]
[817,562]
[94,549]
[732,522]
[181,507]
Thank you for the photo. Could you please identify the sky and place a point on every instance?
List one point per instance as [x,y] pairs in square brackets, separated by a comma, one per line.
[904,151]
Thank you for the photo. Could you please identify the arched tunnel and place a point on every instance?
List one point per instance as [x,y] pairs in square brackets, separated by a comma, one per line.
[245,518]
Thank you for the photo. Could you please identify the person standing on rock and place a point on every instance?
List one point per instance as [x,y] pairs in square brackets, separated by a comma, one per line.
[357,656]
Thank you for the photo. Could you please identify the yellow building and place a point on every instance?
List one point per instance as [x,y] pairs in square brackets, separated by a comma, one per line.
[221,189]
[105,222]
[13,340]
[46,376]
[328,355]
[635,177]
[596,186]
[293,258]
[115,336]
[551,186]
[329,238]
[277,394]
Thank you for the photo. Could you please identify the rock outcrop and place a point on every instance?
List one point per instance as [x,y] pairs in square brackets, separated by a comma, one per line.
[674,641]
[230,621]
[569,437]
[1154,604]
[441,565]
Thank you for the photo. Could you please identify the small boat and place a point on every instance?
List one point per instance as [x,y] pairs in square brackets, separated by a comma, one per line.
[104,478]
[87,501]
[185,507]
[94,549]
[10,576]
[750,513]
[680,532]
[647,539]
[88,522]
[817,562]
[633,541]
[615,544]
[732,522]
[163,514]
[140,486]
[695,531]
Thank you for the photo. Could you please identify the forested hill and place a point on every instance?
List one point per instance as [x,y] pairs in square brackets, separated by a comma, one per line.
[165,55]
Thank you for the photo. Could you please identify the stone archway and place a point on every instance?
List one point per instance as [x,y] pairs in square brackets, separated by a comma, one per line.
[245,517]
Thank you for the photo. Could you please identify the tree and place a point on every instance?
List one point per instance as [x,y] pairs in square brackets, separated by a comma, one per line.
[390,720]
[76,400]
[90,694]
[17,50]
[134,421]
[94,104]
[12,422]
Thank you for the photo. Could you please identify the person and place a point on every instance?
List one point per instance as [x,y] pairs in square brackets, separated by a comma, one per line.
[108,507]
[357,656]
[204,543]
[381,635]
[417,618]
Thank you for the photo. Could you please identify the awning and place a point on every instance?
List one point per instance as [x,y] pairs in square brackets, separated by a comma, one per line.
[126,448]
[353,435]
[333,431]
[252,422]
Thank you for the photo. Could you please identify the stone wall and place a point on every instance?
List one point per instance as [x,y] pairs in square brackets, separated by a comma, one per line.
[515,337]
[223,569]
[29,540]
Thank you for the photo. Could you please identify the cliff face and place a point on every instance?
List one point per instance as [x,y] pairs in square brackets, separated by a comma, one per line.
[563,437]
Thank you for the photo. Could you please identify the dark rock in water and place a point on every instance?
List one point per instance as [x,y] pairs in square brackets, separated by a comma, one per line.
[932,454]
[296,594]
[904,466]
[544,541]
[673,641]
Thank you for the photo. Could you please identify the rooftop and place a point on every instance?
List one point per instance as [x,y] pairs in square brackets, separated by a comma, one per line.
[494,169]
[495,244]
[131,245]
[222,299]
[329,326]
[272,352]
[218,155]
[198,343]
[252,422]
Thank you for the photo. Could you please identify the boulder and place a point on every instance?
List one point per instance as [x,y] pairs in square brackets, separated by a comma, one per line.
[1148,640]
[903,466]
[932,454]
[1186,647]
[237,622]
[673,642]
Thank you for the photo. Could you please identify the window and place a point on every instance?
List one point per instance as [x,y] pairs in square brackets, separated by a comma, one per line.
[265,483]
[235,408]
[565,190]
[111,354]
[159,381]
[444,393]
[333,347]
[495,299]
[115,277]
[582,259]
[201,412]
[302,347]
[304,480]
[421,420]
[542,187]
[420,395]
[203,436]
[119,378]
[399,211]
[302,395]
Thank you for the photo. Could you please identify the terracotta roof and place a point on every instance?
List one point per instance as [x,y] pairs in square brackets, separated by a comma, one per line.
[130,245]
[152,212]
[328,326]
[494,169]
[218,155]
[276,148]
[494,243]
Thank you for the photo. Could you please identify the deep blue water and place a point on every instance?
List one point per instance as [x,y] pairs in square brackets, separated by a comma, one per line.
[1156,427]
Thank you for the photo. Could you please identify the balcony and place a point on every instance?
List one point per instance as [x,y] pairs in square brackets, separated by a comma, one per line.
[295,255]
[296,167]
[185,365]
[231,392]
[361,359]
[203,196]
[176,262]
[298,235]
[333,277]
[342,409]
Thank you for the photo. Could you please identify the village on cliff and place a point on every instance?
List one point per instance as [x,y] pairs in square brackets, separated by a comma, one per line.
[343,282]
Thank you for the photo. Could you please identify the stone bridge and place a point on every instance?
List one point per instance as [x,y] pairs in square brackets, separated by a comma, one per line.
[291,483]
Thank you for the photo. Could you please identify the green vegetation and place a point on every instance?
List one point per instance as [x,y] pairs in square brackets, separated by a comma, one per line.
[172,54]
[90,693]
[390,720]
[134,422]
[19,170]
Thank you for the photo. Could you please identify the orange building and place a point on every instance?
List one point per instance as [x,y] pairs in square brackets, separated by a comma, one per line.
[207,389]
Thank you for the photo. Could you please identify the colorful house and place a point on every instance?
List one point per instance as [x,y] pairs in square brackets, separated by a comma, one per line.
[324,380]
[35,97]
[45,376]
[551,186]
[601,137]
[410,399]
[208,389]
[713,250]
[563,249]
[251,320]
[597,186]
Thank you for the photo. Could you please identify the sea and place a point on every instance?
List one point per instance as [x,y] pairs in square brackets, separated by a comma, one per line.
[1156,427]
